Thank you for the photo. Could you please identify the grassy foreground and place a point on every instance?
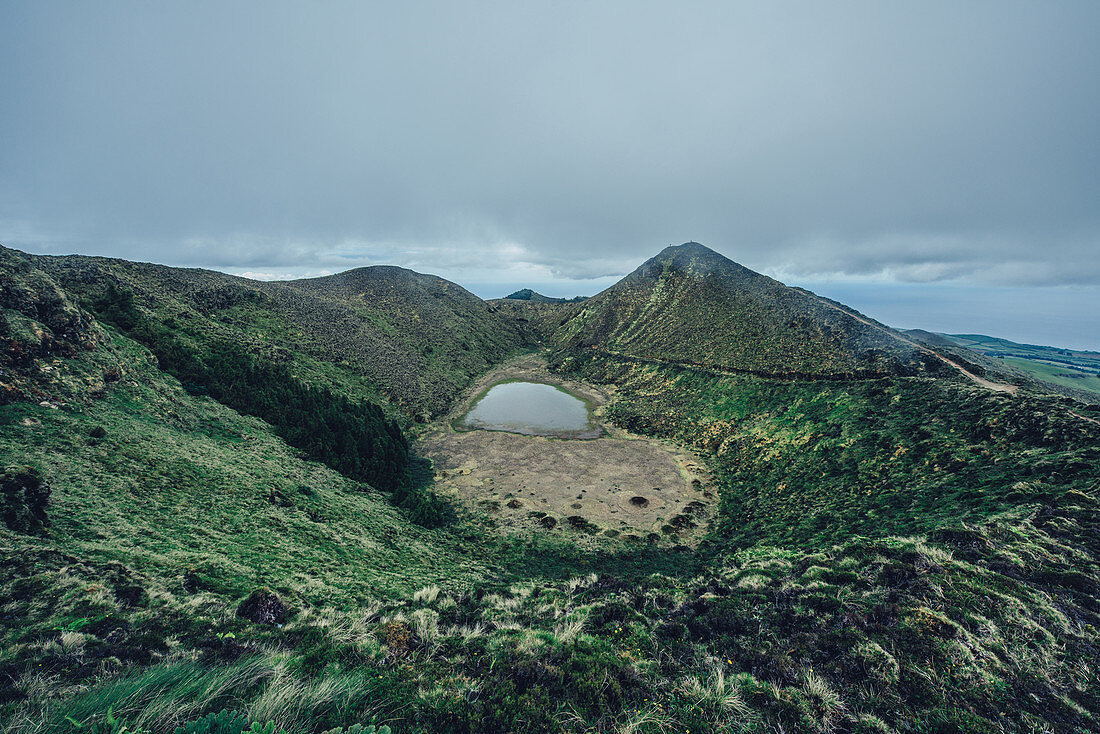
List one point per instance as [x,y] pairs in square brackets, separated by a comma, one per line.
[985,628]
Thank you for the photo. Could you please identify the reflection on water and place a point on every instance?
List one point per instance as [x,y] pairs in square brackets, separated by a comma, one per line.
[531,408]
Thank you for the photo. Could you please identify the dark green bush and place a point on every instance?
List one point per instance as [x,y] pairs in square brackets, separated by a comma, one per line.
[24,497]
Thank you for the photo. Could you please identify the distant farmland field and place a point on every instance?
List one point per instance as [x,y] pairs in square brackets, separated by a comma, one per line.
[1065,367]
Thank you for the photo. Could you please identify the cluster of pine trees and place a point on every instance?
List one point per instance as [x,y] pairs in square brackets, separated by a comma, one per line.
[356,439]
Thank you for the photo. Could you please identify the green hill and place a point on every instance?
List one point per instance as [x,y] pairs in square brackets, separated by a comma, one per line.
[135,512]
[526,294]
[808,463]
[383,333]
[691,305]
[208,490]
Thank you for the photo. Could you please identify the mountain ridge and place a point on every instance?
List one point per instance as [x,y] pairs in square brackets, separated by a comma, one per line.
[405,338]
[526,294]
[692,305]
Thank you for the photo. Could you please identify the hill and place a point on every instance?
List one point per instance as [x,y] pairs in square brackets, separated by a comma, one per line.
[383,333]
[526,294]
[134,514]
[1039,369]
[1075,371]
[691,305]
[188,527]
[437,336]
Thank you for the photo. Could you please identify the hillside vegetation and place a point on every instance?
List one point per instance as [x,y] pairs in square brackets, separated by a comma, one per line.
[526,294]
[691,305]
[383,334]
[810,464]
[133,509]
[198,487]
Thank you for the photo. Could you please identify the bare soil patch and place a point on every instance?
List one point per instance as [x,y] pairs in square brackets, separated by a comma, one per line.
[620,485]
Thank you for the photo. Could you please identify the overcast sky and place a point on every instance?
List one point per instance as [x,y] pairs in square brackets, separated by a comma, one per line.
[950,149]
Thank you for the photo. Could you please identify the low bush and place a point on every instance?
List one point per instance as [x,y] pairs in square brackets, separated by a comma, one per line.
[24,499]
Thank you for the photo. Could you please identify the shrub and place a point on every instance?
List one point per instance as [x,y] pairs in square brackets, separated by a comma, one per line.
[24,497]
[263,606]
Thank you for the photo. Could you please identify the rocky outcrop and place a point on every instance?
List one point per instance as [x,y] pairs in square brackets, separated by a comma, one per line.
[24,499]
[263,606]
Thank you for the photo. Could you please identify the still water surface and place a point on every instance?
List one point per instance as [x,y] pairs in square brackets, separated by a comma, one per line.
[531,408]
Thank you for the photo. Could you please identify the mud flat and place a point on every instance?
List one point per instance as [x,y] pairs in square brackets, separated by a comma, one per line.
[618,485]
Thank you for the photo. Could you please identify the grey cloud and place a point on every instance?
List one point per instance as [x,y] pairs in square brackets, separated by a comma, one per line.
[563,141]
[916,258]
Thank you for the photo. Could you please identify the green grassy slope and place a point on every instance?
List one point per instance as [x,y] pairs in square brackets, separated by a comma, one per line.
[322,407]
[812,463]
[443,334]
[689,304]
[382,334]
[136,515]
[163,481]
[1057,374]
[988,628]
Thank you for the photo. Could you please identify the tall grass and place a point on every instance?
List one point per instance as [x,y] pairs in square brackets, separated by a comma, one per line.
[262,686]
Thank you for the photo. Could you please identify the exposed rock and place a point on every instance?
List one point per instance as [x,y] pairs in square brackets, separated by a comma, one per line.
[263,606]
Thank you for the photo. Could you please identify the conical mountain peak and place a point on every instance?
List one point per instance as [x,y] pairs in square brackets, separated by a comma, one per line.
[688,304]
[694,259]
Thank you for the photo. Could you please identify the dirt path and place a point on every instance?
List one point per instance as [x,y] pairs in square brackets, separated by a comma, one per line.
[1083,417]
[620,485]
[988,384]
[995,386]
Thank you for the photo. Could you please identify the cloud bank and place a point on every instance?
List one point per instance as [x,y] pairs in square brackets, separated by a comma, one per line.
[561,141]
